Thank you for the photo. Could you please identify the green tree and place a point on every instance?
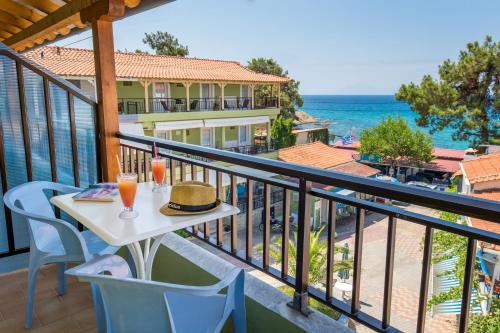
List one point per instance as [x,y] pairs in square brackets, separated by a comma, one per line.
[164,43]
[490,323]
[466,98]
[281,132]
[317,256]
[393,139]
[289,96]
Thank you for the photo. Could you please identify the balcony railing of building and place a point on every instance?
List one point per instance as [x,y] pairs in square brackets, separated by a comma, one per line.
[137,160]
[160,105]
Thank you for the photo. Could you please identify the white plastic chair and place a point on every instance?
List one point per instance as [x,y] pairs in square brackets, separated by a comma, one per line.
[52,240]
[133,305]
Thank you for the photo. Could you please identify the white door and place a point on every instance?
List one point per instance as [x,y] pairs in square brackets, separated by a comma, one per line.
[206,93]
[207,137]
[244,139]
[161,93]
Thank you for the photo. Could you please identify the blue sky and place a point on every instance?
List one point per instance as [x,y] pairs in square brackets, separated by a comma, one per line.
[331,47]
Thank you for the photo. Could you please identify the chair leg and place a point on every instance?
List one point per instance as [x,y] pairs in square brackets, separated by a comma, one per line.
[32,272]
[62,278]
[99,309]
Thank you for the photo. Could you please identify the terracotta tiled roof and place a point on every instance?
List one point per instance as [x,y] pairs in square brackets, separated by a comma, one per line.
[80,62]
[354,145]
[454,154]
[355,168]
[483,168]
[315,154]
[487,225]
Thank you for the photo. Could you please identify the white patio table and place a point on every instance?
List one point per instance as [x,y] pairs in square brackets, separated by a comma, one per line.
[102,219]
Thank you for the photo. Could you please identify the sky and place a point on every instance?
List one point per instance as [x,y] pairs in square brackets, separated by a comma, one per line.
[348,47]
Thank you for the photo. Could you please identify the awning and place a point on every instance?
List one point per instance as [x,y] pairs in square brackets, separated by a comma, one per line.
[443,282]
[236,121]
[175,125]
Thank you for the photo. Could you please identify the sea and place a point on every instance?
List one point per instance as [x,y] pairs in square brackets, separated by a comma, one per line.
[352,113]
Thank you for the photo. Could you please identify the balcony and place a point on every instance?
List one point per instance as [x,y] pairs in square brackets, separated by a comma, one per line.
[127,106]
[51,131]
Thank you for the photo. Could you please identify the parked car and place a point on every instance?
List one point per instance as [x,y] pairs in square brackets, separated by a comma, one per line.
[422,184]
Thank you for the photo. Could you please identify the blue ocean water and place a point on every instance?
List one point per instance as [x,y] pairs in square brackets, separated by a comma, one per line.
[356,112]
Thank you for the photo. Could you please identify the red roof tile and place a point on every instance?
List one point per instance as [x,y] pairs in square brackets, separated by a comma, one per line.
[354,145]
[487,225]
[80,62]
[449,153]
[315,154]
[355,168]
[483,168]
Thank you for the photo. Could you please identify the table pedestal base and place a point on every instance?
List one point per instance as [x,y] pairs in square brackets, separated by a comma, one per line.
[143,260]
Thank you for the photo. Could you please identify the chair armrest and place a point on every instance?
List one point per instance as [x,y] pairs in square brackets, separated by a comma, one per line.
[108,263]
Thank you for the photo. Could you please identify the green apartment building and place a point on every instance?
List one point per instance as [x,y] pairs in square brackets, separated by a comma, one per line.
[198,101]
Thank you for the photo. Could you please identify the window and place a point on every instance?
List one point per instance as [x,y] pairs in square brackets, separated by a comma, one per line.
[127,83]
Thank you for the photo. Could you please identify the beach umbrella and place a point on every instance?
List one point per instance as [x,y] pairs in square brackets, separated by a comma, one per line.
[344,273]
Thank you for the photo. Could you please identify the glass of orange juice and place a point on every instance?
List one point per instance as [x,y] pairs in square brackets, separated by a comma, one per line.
[159,169]
[127,185]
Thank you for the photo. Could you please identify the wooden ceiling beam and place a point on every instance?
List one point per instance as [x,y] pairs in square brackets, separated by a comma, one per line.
[18,10]
[4,34]
[12,20]
[46,6]
[9,27]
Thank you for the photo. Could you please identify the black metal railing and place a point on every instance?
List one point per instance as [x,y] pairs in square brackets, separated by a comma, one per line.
[302,184]
[131,105]
[167,104]
[252,149]
[48,131]
[266,102]
[160,104]
[238,103]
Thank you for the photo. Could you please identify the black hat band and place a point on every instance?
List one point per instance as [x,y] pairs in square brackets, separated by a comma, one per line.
[191,208]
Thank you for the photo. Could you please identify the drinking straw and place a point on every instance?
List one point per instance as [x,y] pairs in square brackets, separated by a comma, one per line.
[155,149]
[119,164]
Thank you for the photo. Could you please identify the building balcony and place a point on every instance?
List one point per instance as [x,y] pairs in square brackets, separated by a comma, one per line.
[128,106]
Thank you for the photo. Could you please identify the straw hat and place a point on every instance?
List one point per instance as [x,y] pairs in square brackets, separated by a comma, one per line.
[190,198]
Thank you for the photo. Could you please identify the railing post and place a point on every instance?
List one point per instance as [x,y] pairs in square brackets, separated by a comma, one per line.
[467,287]
[300,296]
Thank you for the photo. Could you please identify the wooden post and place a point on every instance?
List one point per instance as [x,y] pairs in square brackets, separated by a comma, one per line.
[252,94]
[279,93]
[187,85]
[107,112]
[146,84]
[222,86]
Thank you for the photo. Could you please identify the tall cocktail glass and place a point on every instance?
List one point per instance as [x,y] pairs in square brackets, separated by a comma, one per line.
[127,185]
[159,169]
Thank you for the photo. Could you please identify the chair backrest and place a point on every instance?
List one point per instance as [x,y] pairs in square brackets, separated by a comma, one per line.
[29,201]
[246,102]
[194,105]
[133,305]
[164,105]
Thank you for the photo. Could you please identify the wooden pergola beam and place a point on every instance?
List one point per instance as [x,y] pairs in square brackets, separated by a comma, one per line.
[13,20]
[17,10]
[46,6]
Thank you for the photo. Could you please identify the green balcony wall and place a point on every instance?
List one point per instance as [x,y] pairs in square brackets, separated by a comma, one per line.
[272,113]
[231,133]
[193,136]
[173,268]
[136,90]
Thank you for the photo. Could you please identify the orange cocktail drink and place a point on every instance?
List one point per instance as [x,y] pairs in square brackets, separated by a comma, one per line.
[127,185]
[159,170]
